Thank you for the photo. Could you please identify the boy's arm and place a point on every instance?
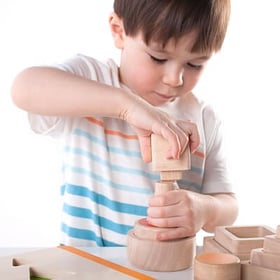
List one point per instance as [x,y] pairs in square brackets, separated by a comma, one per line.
[50,91]
[220,209]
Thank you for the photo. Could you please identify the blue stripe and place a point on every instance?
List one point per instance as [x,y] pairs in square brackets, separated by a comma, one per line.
[96,219]
[103,200]
[87,235]
[110,166]
[196,170]
[102,143]
[98,178]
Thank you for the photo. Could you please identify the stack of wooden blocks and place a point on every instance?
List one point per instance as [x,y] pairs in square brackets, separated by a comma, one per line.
[144,250]
[258,248]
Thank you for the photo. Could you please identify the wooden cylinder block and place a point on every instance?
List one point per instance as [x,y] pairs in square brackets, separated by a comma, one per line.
[145,231]
[154,255]
[164,187]
[218,266]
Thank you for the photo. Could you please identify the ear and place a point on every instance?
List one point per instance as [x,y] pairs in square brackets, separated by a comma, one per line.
[117,30]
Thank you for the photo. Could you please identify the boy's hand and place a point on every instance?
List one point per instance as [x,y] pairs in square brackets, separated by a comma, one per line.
[181,210]
[147,119]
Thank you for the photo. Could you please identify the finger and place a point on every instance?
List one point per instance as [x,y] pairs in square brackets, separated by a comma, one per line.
[145,146]
[165,222]
[170,133]
[175,233]
[190,134]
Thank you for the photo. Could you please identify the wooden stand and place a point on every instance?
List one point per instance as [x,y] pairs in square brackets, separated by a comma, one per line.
[143,249]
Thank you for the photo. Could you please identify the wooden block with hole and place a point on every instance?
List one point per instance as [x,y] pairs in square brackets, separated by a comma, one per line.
[170,169]
[242,239]
[217,266]
[211,245]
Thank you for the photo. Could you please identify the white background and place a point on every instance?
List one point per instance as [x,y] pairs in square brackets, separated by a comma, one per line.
[241,82]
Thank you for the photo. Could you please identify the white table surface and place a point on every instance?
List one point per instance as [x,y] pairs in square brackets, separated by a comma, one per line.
[114,254]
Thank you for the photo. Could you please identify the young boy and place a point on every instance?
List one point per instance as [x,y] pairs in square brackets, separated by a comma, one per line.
[105,115]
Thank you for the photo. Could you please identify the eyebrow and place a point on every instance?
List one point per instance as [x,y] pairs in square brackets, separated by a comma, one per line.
[204,57]
[163,51]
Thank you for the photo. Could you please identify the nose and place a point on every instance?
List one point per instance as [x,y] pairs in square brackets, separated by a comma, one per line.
[173,77]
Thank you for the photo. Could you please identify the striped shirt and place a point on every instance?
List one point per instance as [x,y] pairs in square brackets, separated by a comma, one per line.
[105,183]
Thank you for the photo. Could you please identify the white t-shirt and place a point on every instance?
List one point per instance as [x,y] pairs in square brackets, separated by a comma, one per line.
[105,183]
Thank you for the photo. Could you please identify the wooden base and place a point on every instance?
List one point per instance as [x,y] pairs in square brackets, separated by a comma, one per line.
[154,255]
[63,263]
[146,252]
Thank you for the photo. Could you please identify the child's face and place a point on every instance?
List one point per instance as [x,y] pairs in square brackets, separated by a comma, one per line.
[159,74]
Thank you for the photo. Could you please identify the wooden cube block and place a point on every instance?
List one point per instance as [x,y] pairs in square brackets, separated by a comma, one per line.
[170,169]
[254,272]
[261,258]
[272,244]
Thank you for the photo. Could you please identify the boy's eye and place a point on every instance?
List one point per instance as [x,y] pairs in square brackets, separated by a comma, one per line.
[194,66]
[158,60]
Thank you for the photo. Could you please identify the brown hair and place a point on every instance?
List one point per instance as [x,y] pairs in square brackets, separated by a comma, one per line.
[161,20]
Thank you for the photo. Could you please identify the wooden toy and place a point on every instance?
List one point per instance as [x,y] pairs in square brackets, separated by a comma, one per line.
[264,262]
[144,250]
[257,246]
[170,169]
[271,244]
[237,240]
[63,263]
[269,260]
[218,266]
[254,272]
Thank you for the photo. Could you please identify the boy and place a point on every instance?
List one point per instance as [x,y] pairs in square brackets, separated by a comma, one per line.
[105,115]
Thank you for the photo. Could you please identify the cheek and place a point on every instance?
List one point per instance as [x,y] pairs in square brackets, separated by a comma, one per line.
[191,80]
[143,78]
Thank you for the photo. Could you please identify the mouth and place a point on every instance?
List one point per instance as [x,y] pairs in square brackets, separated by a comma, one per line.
[164,97]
